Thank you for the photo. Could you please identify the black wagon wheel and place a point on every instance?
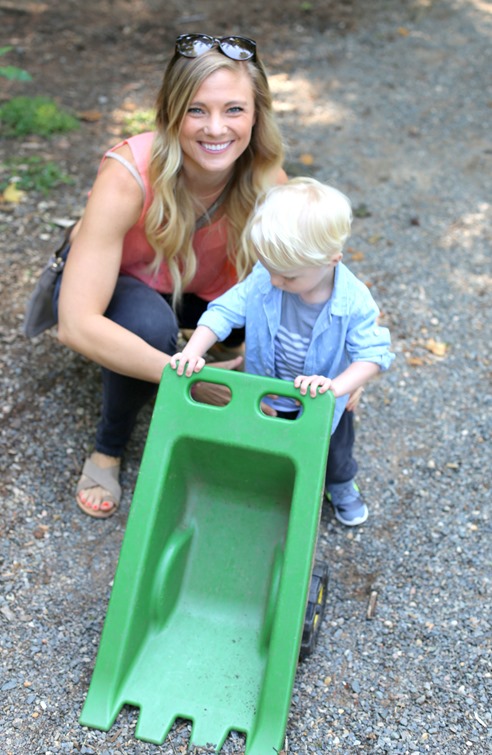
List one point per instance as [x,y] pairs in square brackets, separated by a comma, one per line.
[318,590]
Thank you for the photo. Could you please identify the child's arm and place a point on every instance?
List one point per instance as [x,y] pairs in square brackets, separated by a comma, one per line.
[191,356]
[356,375]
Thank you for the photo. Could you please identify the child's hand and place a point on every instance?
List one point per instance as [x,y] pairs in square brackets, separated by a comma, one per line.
[192,363]
[315,383]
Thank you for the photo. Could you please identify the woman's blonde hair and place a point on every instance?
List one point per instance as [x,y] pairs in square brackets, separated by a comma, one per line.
[170,220]
[300,223]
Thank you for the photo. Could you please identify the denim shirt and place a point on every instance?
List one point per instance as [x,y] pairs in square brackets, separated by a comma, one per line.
[346,330]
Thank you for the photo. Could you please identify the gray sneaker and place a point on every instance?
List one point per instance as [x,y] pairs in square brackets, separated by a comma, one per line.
[347,503]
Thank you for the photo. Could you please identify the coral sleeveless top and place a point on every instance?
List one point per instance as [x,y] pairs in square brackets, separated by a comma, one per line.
[215,273]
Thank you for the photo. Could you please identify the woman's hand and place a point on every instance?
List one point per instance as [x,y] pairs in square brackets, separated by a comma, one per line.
[267,409]
[227,364]
[213,393]
[315,383]
[354,399]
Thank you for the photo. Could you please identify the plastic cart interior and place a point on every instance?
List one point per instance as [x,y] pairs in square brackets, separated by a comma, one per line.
[208,607]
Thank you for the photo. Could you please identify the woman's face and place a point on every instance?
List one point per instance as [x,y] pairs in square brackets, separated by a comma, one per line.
[218,124]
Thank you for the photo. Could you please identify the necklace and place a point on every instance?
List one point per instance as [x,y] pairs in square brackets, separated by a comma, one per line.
[201,199]
[206,216]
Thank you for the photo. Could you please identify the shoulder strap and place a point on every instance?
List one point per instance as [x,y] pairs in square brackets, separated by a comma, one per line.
[202,220]
[136,175]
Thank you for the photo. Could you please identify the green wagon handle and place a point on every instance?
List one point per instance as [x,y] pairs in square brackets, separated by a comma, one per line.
[243,408]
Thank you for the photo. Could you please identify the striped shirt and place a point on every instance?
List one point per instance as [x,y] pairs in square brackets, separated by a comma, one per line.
[292,341]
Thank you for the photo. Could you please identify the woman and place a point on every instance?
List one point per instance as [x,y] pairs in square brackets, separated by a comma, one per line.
[159,236]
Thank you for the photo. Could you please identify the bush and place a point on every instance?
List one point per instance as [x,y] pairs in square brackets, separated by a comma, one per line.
[32,174]
[22,116]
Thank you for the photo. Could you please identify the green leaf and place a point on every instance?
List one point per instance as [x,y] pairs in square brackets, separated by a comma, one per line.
[14,74]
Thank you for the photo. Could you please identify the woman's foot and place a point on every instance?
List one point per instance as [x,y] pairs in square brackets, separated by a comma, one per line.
[98,490]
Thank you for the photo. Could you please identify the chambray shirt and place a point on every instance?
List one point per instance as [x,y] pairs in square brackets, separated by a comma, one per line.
[346,330]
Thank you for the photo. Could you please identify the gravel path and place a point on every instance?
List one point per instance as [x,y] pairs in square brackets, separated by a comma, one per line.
[399,119]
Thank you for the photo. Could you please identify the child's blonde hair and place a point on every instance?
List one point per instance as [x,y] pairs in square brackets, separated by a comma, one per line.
[300,223]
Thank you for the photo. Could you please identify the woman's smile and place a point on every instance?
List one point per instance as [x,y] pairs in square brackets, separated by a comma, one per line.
[214,147]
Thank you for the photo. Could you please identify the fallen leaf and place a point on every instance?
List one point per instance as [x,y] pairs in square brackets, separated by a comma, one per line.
[90,116]
[438,348]
[13,195]
[415,361]
[306,159]
[355,254]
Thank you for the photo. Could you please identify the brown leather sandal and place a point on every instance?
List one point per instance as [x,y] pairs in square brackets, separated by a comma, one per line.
[94,476]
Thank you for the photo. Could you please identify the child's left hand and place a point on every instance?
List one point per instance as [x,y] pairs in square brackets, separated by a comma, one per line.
[315,383]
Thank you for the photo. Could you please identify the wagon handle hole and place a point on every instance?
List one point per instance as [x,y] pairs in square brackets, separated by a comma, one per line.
[288,414]
[205,392]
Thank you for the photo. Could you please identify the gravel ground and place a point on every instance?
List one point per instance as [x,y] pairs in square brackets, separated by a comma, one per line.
[400,121]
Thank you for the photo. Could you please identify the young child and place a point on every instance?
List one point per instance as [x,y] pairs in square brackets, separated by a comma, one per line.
[307,318]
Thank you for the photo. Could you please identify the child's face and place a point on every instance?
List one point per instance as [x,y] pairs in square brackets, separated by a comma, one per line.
[314,284]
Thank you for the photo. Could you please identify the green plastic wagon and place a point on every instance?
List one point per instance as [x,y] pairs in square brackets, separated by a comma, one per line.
[211,596]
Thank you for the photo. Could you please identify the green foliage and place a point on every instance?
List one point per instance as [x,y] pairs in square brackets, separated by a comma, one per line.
[21,116]
[138,122]
[12,72]
[33,174]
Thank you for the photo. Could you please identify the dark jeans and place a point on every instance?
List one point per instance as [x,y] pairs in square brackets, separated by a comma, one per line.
[145,312]
[341,465]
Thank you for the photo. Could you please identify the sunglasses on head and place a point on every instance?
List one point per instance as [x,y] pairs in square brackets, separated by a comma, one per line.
[236,48]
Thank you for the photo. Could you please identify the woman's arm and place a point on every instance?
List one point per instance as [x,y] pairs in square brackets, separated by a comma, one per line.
[90,277]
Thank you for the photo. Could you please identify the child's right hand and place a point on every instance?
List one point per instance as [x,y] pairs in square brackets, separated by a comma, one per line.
[192,363]
[315,383]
